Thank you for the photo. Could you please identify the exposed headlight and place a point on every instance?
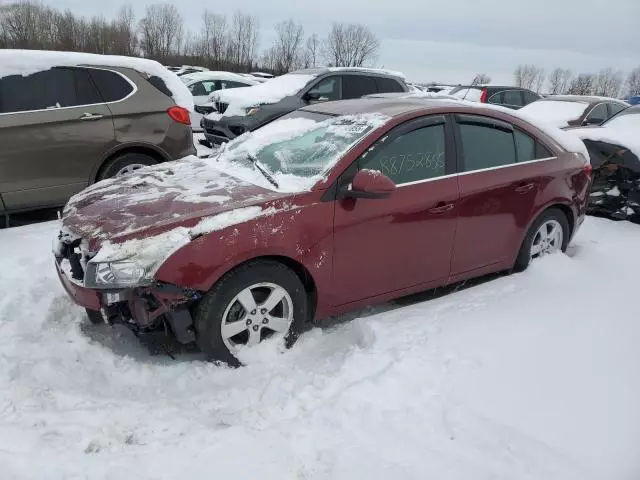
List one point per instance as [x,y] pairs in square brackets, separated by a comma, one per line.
[116,275]
[253,110]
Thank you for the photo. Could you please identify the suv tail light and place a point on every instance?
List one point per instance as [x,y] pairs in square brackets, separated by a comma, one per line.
[180,115]
[483,96]
[588,169]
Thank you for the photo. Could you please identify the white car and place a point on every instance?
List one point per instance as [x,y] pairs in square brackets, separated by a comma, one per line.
[203,84]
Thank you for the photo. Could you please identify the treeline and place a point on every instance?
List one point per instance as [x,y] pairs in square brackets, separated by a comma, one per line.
[607,82]
[222,43]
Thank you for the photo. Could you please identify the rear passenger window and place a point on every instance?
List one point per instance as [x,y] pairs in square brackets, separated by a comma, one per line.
[112,86]
[85,90]
[413,156]
[486,146]
[542,151]
[525,146]
[356,86]
[386,85]
[54,88]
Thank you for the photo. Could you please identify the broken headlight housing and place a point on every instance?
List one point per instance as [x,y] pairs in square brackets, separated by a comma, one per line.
[107,275]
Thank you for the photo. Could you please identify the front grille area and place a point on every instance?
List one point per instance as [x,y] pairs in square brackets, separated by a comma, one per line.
[221,107]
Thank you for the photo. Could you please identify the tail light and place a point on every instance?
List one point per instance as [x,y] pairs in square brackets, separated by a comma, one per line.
[483,96]
[588,169]
[179,115]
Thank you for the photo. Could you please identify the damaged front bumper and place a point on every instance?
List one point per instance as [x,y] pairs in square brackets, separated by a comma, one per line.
[146,309]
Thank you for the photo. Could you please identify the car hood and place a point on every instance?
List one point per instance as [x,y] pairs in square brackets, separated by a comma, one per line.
[158,199]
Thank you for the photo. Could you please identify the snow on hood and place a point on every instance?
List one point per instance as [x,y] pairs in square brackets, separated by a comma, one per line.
[27,62]
[159,197]
[554,112]
[150,252]
[271,91]
[623,131]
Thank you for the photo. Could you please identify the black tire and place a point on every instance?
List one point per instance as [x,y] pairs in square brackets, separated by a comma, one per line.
[209,312]
[524,255]
[113,166]
[95,317]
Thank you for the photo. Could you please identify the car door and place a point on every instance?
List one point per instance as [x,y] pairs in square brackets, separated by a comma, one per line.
[497,192]
[405,240]
[54,128]
[202,90]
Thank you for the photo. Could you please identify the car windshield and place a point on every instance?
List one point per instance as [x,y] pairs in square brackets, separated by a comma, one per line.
[300,147]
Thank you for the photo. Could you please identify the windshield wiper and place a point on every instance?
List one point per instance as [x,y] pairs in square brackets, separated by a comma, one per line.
[262,170]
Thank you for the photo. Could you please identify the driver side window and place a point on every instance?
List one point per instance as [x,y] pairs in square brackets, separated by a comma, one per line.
[413,156]
[326,90]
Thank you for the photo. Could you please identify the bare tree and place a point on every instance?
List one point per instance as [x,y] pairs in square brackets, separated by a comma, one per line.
[214,34]
[559,80]
[288,45]
[351,45]
[583,84]
[311,51]
[161,30]
[242,40]
[125,28]
[481,79]
[633,82]
[608,83]
[529,76]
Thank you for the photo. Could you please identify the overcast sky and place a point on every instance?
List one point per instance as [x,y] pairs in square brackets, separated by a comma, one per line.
[449,40]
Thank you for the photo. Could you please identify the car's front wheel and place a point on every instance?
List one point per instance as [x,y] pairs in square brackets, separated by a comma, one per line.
[256,301]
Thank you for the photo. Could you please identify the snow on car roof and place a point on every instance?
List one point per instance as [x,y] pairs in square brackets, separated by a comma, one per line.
[217,75]
[367,70]
[271,91]
[27,62]
[555,112]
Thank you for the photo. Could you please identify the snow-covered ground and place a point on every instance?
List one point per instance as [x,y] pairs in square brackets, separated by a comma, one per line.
[530,376]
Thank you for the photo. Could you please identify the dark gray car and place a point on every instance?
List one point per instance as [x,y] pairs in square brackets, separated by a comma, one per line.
[64,128]
[245,109]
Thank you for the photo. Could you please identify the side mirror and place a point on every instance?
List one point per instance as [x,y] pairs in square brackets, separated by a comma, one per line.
[369,184]
[312,97]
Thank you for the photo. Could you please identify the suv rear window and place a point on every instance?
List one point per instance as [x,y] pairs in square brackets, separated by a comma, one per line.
[112,86]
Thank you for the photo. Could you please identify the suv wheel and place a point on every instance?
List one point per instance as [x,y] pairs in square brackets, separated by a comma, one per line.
[258,300]
[125,164]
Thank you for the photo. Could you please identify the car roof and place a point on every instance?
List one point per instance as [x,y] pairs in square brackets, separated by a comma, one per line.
[217,75]
[583,98]
[480,86]
[386,106]
[372,71]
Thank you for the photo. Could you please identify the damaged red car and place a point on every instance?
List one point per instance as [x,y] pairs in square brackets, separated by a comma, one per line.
[327,209]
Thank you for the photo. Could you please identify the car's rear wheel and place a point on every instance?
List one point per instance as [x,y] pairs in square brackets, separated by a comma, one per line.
[548,234]
[259,300]
[125,164]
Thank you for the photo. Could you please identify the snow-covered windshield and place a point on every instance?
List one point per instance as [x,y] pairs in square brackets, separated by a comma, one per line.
[300,147]
[554,112]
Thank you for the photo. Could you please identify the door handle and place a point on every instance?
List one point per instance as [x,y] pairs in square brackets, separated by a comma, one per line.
[525,188]
[91,116]
[442,208]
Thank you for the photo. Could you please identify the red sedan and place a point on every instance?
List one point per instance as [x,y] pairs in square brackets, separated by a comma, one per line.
[330,208]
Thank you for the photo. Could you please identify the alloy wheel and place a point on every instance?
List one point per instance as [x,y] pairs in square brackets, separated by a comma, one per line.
[258,312]
[132,167]
[548,239]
